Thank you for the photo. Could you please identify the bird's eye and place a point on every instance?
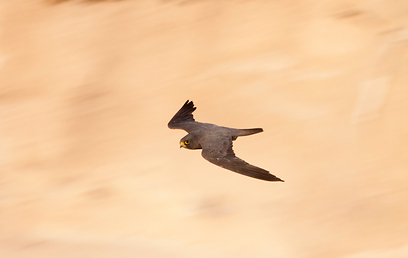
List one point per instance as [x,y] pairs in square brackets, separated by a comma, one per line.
[186,142]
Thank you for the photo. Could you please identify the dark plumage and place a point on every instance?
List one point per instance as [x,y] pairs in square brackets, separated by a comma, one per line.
[216,142]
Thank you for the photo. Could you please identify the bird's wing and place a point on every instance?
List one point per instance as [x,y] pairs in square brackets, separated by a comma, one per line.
[184,119]
[220,153]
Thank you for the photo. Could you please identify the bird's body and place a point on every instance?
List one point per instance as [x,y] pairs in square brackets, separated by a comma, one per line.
[216,142]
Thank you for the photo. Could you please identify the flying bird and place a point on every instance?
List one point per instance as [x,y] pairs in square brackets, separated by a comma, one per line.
[216,143]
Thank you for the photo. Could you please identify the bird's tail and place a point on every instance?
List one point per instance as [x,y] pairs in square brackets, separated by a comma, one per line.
[244,132]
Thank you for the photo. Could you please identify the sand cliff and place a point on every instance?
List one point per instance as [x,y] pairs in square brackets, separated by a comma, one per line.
[89,167]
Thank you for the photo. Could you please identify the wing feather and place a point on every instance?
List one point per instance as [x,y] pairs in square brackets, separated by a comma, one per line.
[184,119]
[222,154]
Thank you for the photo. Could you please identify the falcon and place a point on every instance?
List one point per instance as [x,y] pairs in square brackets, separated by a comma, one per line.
[216,143]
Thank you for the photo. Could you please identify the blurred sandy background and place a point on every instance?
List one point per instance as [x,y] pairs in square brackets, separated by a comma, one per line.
[88,167]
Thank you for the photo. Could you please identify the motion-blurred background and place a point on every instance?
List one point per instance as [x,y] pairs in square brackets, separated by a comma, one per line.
[88,167]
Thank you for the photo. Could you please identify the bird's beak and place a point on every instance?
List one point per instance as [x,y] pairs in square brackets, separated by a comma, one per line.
[182,145]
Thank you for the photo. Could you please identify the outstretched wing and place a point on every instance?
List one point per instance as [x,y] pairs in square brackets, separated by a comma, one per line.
[221,154]
[184,119]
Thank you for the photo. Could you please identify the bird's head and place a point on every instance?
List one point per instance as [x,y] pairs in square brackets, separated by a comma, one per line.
[189,142]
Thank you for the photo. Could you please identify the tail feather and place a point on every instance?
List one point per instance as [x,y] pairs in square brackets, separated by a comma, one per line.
[244,132]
